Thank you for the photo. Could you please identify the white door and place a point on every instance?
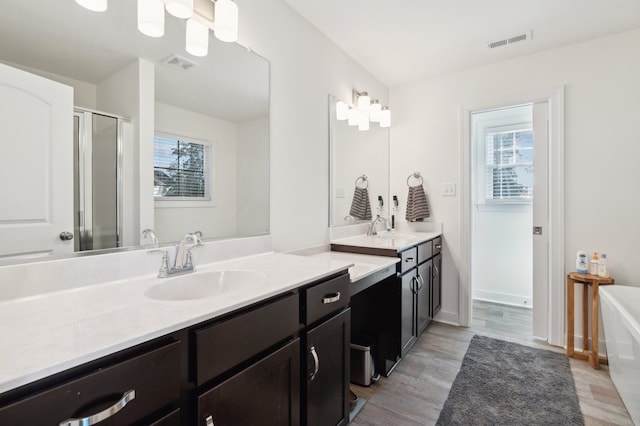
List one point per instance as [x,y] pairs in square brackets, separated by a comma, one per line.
[540,220]
[36,176]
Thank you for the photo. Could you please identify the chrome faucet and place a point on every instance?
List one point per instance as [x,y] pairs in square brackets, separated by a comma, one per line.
[183,262]
[148,233]
[372,226]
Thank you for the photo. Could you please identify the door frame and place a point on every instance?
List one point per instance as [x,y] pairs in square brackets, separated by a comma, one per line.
[555,198]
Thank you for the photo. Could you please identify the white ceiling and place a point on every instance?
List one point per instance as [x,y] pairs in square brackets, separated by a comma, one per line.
[401,41]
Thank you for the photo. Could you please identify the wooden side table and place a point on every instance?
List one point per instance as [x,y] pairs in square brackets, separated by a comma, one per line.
[594,282]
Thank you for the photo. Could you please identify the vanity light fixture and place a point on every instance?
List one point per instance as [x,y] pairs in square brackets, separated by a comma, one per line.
[363,111]
[219,16]
[385,117]
[197,39]
[374,111]
[94,5]
[151,17]
[342,110]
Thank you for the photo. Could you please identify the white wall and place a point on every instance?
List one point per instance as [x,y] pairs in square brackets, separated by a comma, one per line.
[305,68]
[601,111]
[217,220]
[252,177]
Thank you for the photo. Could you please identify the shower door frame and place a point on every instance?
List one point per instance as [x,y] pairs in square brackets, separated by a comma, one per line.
[84,213]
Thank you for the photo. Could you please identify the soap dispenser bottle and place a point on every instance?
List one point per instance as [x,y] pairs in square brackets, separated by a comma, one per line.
[602,266]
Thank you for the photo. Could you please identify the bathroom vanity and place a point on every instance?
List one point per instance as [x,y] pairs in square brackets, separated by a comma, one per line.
[273,353]
[395,312]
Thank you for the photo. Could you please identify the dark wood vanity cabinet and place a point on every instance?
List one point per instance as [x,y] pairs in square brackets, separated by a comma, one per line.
[281,361]
[419,276]
[265,393]
[138,390]
[327,339]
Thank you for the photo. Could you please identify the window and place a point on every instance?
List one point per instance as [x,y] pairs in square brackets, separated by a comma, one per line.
[509,166]
[181,168]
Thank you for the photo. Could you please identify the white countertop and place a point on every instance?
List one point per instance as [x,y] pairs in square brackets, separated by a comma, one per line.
[397,241]
[46,334]
[363,264]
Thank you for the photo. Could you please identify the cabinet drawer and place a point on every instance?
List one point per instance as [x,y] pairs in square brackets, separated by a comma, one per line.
[327,297]
[226,344]
[151,381]
[425,251]
[408,259]
[437,245]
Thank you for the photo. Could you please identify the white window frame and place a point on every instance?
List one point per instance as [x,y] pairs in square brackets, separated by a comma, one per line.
[483,203]
[210,165]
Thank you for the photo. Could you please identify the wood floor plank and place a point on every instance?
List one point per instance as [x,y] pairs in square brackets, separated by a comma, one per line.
[417,389]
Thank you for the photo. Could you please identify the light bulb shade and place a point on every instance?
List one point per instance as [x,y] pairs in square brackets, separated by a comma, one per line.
[363,121]
[364,102]
[385,117]
[225,25]
[354,118]
[342,111]
[375,111]
[197,39]
[95,5]
[151,17]
[180,8]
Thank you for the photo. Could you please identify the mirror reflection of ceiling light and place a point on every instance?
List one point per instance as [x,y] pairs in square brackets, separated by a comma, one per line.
[182,9]
[363,111]
[219,16]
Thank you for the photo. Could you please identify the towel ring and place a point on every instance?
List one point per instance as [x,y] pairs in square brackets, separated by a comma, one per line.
[364,180]
[416,175]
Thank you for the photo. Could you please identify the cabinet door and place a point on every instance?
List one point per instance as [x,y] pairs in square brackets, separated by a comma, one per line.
[436,293]
[327,373]
[267,393]
[423,296]
[408,321]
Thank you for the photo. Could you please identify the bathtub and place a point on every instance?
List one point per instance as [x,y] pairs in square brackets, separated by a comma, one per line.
[620,309]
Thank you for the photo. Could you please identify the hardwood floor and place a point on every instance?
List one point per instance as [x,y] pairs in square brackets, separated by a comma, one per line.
[417,389]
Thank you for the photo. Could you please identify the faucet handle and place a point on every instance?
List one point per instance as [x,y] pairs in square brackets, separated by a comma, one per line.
[164,265]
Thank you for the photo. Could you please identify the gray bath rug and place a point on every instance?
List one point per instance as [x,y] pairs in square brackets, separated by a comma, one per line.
[503,383]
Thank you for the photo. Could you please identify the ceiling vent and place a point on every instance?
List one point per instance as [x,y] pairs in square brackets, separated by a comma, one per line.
[510,40]
[179,62]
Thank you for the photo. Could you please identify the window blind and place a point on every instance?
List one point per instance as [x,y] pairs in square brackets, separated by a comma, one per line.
[509,166]
[180,168]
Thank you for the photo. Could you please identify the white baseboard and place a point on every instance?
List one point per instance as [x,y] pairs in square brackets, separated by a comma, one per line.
[503,298]
[450,318]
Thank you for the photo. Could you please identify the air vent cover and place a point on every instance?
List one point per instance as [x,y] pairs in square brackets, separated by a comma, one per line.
[510,40]
[176,61]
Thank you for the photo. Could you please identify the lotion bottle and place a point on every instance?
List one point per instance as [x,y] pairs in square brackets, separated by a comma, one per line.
[593,264]
[602,266]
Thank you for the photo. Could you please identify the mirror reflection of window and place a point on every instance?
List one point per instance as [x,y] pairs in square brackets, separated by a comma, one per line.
[181,168]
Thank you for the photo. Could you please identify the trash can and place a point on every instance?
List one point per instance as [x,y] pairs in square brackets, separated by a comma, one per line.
[362,368]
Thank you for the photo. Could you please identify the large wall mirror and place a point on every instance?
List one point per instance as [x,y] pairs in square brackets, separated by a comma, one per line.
[359,169]
[214,109]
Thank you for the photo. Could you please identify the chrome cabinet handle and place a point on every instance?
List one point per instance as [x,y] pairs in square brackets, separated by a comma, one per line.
[409,259]
[438,246]
[104,414]
[420,282]
[316,363]
[412,287]
[435,269]
[209,421]
[331,297]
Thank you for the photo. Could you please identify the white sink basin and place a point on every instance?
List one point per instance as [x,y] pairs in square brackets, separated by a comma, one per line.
[201,285]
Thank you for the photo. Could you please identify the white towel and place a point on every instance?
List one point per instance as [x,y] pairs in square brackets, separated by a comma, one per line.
[417,204]
[360,207]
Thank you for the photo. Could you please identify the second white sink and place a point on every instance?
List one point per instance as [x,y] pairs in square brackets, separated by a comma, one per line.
[201,285]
